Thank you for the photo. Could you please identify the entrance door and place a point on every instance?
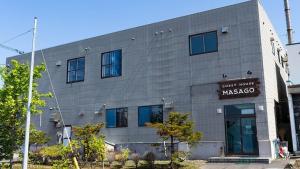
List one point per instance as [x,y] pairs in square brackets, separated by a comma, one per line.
[240,126]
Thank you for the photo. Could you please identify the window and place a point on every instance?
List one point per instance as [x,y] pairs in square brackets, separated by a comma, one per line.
[116,117]
[67,131]
[278,55]
[282,62]
[75,70]
[111,64]
[273,47]
[150,114]
[204,43]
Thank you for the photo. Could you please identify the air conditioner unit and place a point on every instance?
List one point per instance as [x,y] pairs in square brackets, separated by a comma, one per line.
[168,105]
[58,125]
[224,29]
[285,59]
[54,117]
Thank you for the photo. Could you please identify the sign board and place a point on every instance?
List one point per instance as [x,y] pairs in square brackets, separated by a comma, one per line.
[233,89]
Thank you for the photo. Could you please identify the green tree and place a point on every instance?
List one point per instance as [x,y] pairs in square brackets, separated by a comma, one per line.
[37,137]
[88,137]
[98,147]
[179,128]
[13,104]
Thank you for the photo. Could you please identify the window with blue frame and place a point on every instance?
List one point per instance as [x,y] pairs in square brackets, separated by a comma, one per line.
[203,43]
[117,117]
[75,71]
[150,114]
[111,64]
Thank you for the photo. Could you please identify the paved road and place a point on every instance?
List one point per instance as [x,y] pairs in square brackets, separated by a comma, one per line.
[277,164]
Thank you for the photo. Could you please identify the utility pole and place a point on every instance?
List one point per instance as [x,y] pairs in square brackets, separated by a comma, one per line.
[288,21]
[26,144]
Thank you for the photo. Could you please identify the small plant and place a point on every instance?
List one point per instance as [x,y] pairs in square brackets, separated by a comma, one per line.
[135,158]
[122,157]
[111,157]
[62,164]
[149,157]
[180,156]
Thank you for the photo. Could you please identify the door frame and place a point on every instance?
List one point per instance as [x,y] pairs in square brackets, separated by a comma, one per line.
[256,152]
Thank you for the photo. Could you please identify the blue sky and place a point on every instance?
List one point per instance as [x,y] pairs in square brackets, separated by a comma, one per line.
[67,21]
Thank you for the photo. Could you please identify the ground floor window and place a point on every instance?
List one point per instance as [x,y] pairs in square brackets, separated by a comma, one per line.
[117,117]
[67,131]
[240,125]
[150,114]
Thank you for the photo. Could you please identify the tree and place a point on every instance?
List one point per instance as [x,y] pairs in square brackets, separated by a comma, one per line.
[177,127]
[13,104]
[91,144]
[37,137]
[98,147]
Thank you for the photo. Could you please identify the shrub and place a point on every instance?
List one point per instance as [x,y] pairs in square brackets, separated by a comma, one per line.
[180,156]
[149,157]
[62,164]
[53,152]
[122,156]
[135,158]
[111,157]
[36,158]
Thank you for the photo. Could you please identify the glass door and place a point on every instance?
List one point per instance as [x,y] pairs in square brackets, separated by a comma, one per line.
[240,124]
[249,135]
[234,143]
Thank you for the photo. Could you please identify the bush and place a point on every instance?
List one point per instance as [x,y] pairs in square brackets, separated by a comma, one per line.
[122,156]
[149,157]
[62,164]
[111,157]
[179,156]
[36,158]
[135,157]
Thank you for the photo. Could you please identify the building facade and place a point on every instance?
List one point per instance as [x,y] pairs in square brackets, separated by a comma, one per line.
[226,66]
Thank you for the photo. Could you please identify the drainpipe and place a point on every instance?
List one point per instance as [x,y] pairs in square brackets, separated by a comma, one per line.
[288,21]
[292,122]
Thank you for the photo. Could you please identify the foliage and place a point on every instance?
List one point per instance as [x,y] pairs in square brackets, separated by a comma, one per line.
[54,152]
[122,156]
[98,147]
[59,154]
[13,104]
[177,127]
[37,136]
[91,142]
[135,158]
[62,164]
[149,157]
[180,156]
[111,157]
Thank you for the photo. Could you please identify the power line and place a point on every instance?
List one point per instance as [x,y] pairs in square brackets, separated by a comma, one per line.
[15,37]
[12,49]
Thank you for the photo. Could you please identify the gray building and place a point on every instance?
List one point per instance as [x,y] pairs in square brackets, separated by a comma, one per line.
[226,66]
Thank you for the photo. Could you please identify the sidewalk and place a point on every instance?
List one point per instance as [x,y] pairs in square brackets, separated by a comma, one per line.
[277,164]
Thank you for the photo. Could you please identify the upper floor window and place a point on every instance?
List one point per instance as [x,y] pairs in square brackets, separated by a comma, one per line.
[76,70]
[273,47]
[282,61]
[111,64]
[279,56]
[116,117]
[203,43]
[150,114]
